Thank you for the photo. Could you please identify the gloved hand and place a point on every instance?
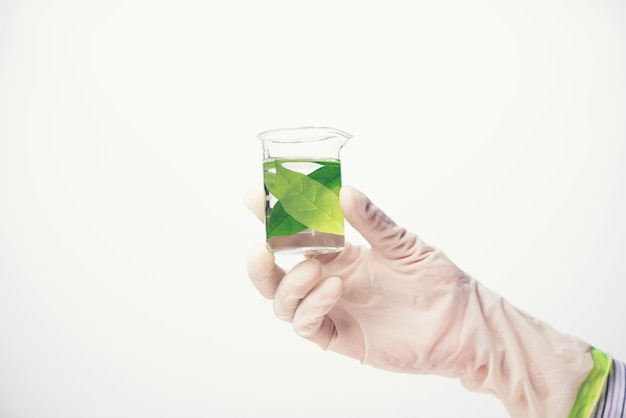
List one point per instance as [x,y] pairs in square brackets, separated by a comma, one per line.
[403,306]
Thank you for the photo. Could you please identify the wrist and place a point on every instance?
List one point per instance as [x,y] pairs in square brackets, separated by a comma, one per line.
[592,387]
[533,369]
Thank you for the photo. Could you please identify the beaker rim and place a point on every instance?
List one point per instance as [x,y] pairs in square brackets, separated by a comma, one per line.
[302,134]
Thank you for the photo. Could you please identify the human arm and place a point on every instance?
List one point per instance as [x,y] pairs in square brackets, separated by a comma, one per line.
[402,305]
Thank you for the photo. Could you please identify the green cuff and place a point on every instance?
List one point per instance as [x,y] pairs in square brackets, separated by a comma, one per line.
[593,385]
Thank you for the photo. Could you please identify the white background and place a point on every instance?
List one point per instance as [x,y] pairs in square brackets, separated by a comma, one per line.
[494,129]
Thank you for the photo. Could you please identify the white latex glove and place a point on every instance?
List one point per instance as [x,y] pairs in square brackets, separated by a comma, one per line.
[403,306]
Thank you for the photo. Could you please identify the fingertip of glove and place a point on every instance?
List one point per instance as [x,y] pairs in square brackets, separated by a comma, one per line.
[347,193]
[353,202]
[335,285]
[311,266]
[253,201]
[259,256]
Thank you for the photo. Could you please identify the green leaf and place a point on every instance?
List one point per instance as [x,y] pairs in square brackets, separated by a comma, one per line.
[329,175]
[307,201]
[280,223]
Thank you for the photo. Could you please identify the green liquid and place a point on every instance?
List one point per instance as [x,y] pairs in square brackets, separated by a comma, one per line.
[302,209]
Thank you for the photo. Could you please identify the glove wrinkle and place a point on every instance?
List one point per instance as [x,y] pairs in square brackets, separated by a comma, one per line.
[405,307]
[533,369]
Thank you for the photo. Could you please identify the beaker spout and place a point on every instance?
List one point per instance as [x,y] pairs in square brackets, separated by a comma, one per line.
[322,142]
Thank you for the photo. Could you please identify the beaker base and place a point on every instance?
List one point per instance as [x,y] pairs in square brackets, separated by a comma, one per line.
[306,251]
[308,242]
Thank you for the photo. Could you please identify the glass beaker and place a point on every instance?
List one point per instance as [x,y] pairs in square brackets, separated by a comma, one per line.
[302,178]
